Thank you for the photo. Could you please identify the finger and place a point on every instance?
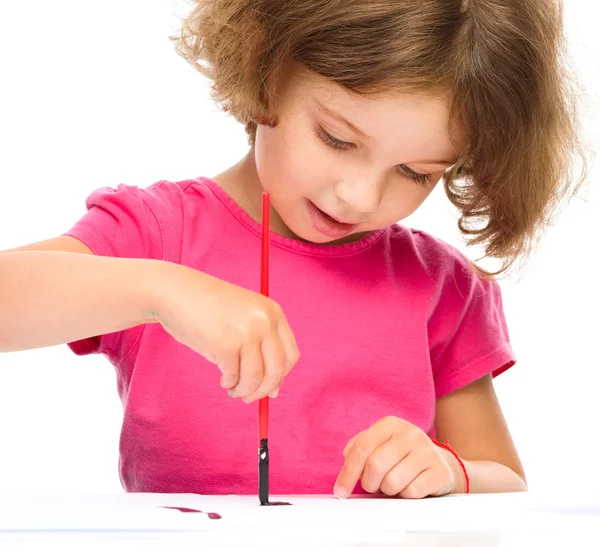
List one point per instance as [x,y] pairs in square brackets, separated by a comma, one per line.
[382,461]
[273,356]
[212,359]
[275,392]
[229,365]
[251,370]
[349,445]
[402,474]
[290,347]
[362,447]
[422,486]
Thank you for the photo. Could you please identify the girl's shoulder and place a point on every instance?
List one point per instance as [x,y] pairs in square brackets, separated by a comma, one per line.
[159,197]
[428,254]
[166,194]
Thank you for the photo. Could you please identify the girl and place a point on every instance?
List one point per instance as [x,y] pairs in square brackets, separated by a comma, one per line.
[354,113]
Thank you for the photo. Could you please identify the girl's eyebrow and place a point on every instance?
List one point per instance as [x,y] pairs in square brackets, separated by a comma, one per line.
[339,117]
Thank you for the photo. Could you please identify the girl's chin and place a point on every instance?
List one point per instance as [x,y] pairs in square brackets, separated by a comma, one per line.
[319,239]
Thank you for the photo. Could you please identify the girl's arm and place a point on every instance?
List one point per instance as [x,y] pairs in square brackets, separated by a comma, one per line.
[471,420]
[57,291]
[397,458]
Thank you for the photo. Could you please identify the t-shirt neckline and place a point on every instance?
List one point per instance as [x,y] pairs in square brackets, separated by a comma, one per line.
[293,245]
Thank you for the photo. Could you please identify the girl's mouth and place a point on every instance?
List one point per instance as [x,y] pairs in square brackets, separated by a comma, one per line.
[327,225]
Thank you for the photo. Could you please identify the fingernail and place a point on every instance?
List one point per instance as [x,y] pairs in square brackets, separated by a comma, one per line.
[340,492]
[274,394]
[231,393]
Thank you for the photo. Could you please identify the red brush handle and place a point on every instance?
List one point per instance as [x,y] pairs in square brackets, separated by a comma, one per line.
[263,404]
[264,262]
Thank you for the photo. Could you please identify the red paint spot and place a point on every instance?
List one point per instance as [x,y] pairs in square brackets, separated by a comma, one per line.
[213,516]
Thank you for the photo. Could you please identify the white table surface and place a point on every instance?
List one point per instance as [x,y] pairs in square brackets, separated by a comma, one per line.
[485,520]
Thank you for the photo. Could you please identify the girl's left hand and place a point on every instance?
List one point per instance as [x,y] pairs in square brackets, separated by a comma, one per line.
[397,458]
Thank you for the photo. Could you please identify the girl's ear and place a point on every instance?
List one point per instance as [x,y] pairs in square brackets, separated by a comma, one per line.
[267,117]
[271,122]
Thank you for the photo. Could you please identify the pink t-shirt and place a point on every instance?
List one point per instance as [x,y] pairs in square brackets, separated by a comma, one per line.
[384,325]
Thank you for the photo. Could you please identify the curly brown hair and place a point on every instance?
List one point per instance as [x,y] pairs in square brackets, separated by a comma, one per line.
[501,63]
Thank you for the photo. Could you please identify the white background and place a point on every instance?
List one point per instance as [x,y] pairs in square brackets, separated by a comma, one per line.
[93,94]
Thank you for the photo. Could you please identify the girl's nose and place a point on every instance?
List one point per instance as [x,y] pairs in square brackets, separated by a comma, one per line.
[361,195]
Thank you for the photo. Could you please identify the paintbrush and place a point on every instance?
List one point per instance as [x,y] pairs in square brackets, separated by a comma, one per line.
[263,404]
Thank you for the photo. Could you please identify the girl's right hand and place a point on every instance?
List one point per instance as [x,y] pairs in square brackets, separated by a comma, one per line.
[244,333]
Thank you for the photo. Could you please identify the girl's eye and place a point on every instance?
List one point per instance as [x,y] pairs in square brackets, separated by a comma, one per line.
[419,178]
[332,142]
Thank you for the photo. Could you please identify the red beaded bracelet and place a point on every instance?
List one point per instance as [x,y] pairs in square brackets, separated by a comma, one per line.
[462,465]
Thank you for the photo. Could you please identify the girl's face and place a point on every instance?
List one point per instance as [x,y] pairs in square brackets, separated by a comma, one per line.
[338,165]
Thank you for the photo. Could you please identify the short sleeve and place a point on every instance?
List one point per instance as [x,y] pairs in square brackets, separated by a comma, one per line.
[468,335]
[121,223]
[126,222]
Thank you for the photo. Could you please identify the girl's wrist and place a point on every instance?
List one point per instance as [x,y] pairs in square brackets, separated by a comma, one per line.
[460,481]
[154,285]
[163,285]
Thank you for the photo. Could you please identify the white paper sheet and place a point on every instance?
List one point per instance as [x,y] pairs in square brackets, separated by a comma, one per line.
[309,521]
